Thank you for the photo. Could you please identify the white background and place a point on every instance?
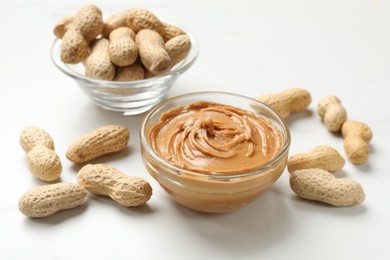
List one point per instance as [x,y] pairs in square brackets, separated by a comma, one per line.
[250,47]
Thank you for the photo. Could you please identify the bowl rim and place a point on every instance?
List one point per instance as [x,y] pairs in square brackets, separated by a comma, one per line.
[217,176]
[179,68]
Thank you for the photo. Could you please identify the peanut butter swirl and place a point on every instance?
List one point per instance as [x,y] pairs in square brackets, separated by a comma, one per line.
[212,138]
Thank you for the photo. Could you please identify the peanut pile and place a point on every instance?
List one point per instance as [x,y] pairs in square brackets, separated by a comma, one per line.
[130,45]
[44,201]
[311,173]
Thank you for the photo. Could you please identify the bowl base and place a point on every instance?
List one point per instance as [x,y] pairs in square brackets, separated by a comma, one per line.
[127,109]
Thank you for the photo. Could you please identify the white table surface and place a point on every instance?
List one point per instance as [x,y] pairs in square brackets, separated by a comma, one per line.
[249,47]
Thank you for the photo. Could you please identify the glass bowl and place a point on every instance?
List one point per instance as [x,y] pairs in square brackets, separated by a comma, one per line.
[218,192]
[130,98]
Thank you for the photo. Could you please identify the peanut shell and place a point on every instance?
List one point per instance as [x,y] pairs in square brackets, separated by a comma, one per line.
[178,48]
[322,157]
[152,51]
[32,136]
[46,200]
[320,185]
[103,140]
[128,191]
[44,163]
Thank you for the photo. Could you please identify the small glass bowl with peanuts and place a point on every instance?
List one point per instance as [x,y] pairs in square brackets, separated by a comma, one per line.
[123,68]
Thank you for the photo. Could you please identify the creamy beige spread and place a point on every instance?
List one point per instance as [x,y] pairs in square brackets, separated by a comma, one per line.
[212,138]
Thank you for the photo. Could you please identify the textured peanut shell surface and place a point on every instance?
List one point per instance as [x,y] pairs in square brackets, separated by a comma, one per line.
[46,200]
[103,140]
[113,22]
[85,27]
[321,185]
[139,19]
[32,136]
[98,64]
[134,18]
[128,191]
[152,52]
[88,22]
[169,31]
[74,48]
[123,50]
[332,113]
[62,26]
[322,157]
[357,136]
[288,101]
[178,48]
[129,73]
[44,163]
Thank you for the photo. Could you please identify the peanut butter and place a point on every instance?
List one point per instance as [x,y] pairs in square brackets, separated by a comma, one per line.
[213,138]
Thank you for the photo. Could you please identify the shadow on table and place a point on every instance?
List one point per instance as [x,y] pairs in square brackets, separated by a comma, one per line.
[58,217]
[327,210]
[105,201]
[257,226]
[294,117]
